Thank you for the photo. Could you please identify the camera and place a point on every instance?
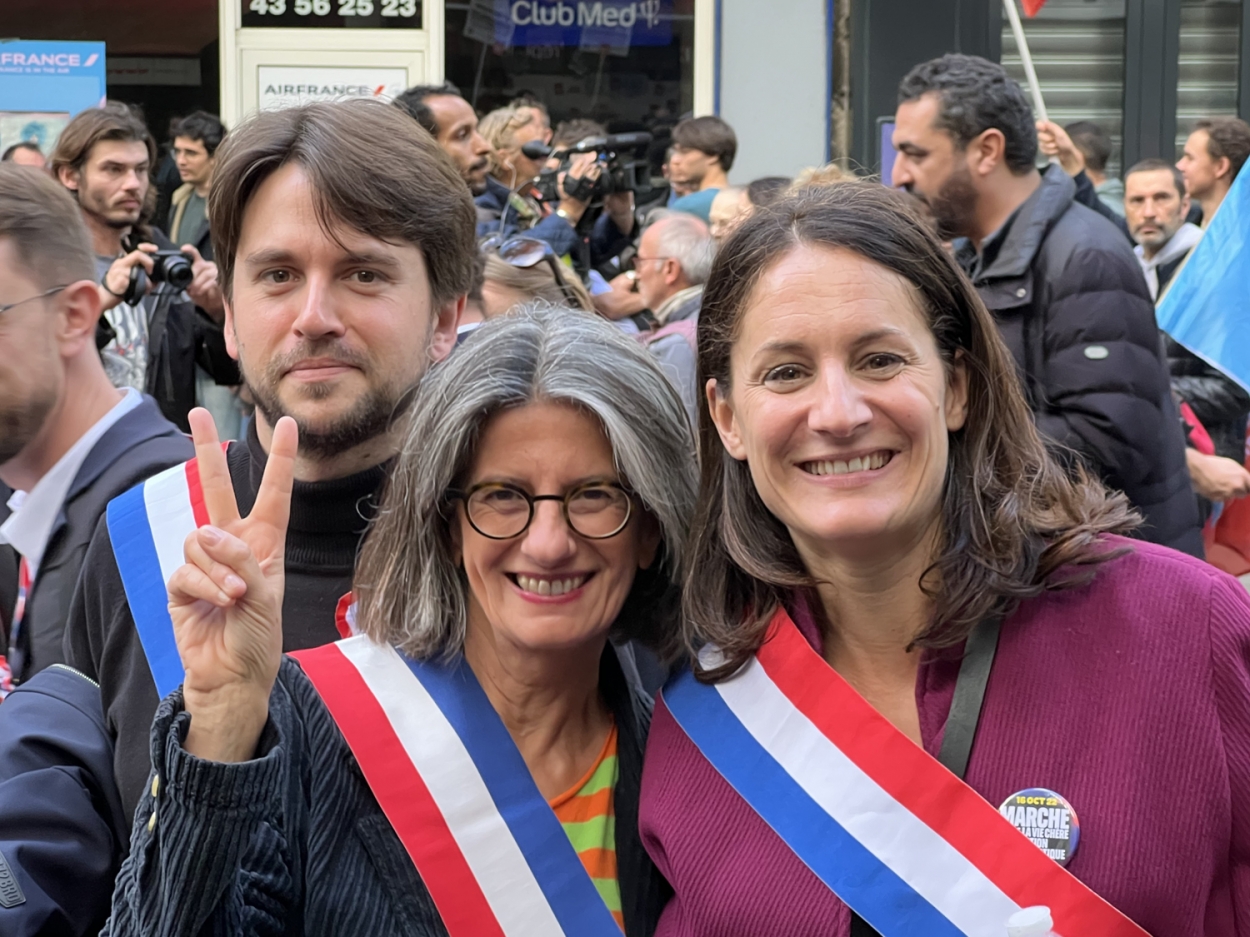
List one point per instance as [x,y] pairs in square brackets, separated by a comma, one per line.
[621,156]
[172,267]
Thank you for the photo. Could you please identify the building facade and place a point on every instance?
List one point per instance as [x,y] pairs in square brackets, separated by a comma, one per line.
[802,81]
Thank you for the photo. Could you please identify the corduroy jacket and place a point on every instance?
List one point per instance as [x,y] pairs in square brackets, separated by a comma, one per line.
[294,843]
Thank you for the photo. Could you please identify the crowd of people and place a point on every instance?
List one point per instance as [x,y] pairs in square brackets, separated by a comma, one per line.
[407,527]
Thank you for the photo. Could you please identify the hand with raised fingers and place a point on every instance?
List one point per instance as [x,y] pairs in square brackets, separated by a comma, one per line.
[226,600]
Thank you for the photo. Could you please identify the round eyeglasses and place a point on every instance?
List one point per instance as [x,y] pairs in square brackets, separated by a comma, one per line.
[501,511]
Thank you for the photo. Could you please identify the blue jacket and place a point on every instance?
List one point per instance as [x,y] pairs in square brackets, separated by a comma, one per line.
[62,829]
[490,208]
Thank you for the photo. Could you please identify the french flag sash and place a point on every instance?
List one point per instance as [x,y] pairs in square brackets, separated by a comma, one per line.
[147,526]
[458,794]
[901,840]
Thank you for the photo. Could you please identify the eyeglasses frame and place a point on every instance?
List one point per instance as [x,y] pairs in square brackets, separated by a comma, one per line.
[31,299]
[531,500]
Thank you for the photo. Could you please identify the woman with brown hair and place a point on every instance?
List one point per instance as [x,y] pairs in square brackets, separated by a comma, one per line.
[886,568]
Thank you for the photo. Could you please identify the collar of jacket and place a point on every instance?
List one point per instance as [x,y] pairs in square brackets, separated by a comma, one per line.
[1029,226]
[681,305]
[1181,243]
[182,193]
[143,423]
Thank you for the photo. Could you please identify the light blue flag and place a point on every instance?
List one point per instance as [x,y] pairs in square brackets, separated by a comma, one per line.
[1207,306]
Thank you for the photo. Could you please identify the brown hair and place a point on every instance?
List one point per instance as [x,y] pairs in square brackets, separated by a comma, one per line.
[114,121]
[1227,137]
[371,167]
[45,227]
[709,135]
[537,282]
[1011,517]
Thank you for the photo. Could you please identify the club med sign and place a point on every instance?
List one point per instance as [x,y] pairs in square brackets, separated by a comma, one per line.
[583,22]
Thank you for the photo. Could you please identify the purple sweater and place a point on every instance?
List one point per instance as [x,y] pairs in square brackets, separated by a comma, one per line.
[1130,697]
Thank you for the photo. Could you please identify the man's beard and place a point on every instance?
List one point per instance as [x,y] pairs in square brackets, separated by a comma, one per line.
[953,208]
[371,416]
[22,423]
[90,204]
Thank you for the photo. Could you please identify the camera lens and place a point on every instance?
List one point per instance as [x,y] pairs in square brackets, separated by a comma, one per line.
[174,268]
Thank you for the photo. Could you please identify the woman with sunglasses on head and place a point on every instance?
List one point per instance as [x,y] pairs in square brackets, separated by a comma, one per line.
[470,764]
[522,270]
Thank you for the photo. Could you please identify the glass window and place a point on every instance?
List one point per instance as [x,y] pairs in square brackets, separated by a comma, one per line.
[625,63]
[1207,78]
[1078,52]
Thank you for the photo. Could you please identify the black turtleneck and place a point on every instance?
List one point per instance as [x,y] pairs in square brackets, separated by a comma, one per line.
[328,521]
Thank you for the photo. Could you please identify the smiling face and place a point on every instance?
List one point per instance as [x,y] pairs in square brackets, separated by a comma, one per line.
[331,330]
[548,588]
[841,404]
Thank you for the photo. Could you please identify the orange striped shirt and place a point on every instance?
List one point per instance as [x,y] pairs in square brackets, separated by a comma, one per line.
[588,816]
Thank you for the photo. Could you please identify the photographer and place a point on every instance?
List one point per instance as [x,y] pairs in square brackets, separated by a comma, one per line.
[512,201]
[150,333]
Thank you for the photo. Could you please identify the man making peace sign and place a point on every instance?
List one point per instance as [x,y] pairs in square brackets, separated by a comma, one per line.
[344,238]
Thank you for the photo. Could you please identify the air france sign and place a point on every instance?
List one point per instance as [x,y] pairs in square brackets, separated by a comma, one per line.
[51,77]
[590,22]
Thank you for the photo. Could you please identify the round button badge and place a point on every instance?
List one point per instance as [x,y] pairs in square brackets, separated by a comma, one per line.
[1046,819]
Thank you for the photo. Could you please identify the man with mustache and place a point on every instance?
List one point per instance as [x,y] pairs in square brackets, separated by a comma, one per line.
[1156,205]
[345,242]
[1064,287]
[451,120]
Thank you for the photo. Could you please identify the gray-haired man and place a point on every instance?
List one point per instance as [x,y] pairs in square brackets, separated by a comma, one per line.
[674,259]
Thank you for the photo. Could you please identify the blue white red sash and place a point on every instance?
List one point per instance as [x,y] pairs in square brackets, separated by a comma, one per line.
[453,785]
[905,843]
[147,527]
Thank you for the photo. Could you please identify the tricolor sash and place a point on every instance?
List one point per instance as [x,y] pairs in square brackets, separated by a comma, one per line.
[148,526]
[457,793]
[901,840]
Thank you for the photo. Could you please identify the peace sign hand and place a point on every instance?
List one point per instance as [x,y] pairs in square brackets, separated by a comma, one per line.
[226,601]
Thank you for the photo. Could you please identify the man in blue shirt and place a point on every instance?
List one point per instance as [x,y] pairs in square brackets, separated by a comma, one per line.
[703,153]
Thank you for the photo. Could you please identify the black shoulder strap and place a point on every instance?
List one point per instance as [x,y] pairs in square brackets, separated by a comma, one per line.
[961,722]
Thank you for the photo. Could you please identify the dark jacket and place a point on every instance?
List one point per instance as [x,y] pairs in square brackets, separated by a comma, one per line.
[62,830]
[294,843]
[490,209]
[1073,307]
[1217,400]
[180,336]
[136,447]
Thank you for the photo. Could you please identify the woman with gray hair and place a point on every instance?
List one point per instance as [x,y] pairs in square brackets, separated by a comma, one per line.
[469,764]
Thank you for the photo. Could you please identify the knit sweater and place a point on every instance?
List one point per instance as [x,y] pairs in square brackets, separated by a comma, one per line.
[1129,696]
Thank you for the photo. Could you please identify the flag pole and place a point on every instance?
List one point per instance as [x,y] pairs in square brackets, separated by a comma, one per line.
[1017,29]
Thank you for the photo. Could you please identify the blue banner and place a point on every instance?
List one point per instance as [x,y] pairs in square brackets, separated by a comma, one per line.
[43,85]
[1207,306]
[586,24]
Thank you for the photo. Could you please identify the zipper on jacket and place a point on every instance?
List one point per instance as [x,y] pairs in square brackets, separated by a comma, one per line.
[76,672]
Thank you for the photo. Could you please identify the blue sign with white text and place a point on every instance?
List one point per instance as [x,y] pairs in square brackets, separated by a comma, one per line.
[43,85]
[587,24]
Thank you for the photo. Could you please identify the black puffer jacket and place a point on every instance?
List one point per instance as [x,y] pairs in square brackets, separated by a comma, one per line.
[1074,309]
